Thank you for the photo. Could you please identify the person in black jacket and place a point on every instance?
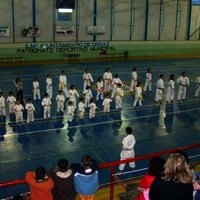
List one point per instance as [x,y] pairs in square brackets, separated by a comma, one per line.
[63,178]
[176,183]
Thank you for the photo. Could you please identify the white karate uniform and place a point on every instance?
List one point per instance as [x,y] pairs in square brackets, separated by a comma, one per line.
[70,112]
[18,109]
[30,112]
[2,106]
[87,79]
[99,90]
[88,96]
[183,83]
[159,90]
[11,100]
[106,104]
[107,77]
[72,97]
[127,151]
[148,81]
[197,81]
[36,90]
[81,110]
[115,83]
[170,91]
[92,111]
[133,81]
[46,103]
[62,82]
[119,97]
[138,96]
[49,87]
[60,102]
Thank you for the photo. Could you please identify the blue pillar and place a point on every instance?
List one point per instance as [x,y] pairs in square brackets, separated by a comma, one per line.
[95,18]
[146,20]
[13,20]
[189,18]
[34,16]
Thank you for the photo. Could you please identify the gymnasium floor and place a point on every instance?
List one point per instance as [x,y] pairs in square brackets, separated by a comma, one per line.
[43,142]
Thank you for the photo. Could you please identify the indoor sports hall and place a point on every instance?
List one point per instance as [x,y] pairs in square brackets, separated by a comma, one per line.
[37,39]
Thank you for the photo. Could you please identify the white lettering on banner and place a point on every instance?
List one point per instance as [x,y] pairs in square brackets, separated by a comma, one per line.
[65,47]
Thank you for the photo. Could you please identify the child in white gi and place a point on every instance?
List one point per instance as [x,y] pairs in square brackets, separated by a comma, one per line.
[49,86]
[116,80]
[183,82]
[128,144]
[72,95]
[46,103]
[133,79]
[160,89]
[88,95]
[2,106]
[119,96]
[197,81]
[11,100]
[60,101]
[138,95]
[99,86]
[106,104]
[63,83]
[81,108]
[148,80]
[93,108]
[18,109]
[70,111]
[30,111]
[36,89]
[170,89]
[107,77]
[87,79]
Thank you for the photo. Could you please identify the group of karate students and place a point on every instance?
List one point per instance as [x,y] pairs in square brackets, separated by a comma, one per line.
[108,88]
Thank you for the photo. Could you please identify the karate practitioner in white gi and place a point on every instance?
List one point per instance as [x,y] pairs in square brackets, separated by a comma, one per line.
[160,89]
[183,82]
[18,109]
[70,111]
[92,110]
[81,108]
[170,89]
[134,77]
[148,80]
[197,81]
[46,103]
[60,101]
[88,95]
[87,79]
[30,111]
[72,95]
[99,86]
[107,77]
[119,96]
[116,80]
[11,100]
[138,95]
[36,89]
[63,83]
[127,152]
[106,104]
[2,105]
[49,86]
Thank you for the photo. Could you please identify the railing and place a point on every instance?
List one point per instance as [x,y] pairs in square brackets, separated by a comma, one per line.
[112,165]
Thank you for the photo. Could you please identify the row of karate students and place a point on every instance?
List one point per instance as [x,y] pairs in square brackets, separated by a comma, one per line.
[16,108]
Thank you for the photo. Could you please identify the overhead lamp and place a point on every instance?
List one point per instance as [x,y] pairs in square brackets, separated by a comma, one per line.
[65,10]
